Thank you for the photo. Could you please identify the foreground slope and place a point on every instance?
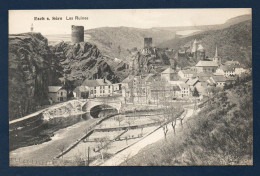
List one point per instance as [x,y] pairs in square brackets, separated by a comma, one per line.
[220,134]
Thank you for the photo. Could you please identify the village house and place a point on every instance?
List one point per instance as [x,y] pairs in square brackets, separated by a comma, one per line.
[81,92]
[185,90]
[186,73]
[232,62]
[226,70]
[99,87]
[167,74]
[191,83]
[218,80]
[230,70]
[57,94]
[206,66]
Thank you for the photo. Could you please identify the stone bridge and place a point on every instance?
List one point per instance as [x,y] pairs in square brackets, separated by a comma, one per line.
[91,103]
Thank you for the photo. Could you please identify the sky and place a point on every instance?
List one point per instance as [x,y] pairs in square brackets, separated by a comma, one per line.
[20,21]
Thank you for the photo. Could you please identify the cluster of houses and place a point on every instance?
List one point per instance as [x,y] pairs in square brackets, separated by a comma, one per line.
[88,89]
[170,84]
[203,78]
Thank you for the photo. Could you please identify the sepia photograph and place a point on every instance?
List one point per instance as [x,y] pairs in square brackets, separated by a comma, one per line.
[130,87]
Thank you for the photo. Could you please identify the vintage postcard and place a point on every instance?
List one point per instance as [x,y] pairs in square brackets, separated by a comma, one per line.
[132,87]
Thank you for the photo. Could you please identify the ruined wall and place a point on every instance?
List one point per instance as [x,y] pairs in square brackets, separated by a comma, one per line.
[77,34]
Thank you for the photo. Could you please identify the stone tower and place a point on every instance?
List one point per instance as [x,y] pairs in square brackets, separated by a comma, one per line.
[148,42]
[77,34]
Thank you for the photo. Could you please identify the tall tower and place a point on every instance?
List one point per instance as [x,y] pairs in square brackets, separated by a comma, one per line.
[77,34]
[32,27]
[216,58]
[148,42]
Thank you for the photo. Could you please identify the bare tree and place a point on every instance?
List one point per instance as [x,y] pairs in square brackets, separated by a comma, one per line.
[119,119]
[61,149]
[181,118]
[102,146]
[173,123]
[165,130]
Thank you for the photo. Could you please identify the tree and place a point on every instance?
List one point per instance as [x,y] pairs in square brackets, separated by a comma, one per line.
[181,118]
[119,119]
[102,146]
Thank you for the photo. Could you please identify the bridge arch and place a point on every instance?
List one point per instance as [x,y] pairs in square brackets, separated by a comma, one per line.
[90,104]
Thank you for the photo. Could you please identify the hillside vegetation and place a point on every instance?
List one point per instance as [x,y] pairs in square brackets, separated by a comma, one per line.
[220,134]
[116,42]
[234,43]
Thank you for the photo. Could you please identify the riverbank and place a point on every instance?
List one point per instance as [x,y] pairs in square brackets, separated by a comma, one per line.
[43,154]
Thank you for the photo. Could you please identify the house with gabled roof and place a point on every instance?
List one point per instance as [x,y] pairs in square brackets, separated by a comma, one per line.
[57,94]
[186,73]
[185,90]
[167,74]
[99,87]
[218,80]
[81,92]
[206,66]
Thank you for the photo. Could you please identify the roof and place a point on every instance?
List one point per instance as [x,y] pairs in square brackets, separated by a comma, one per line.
[184,85]
[97,82]
[227,67]
[176,88]
[188,50]
[219,78]
[82,89]
[232,63]
[188,71]
[54,88]
[147,77]
[200,47]
[152,77]
[174,77]
[168,71]
[192,82]
[206,64]
[127,79]
[203,74]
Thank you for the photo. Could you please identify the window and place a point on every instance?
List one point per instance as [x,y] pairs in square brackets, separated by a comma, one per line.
[61,93]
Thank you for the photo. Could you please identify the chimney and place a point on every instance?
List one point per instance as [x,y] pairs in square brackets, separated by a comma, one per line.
[104,80]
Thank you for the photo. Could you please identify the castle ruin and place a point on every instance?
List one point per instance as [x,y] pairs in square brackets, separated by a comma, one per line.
[148,42]
[77,34]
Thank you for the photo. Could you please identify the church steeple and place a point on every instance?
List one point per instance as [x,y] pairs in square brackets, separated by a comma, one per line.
[216,58]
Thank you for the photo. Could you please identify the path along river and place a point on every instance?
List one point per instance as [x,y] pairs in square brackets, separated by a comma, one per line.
[134,149]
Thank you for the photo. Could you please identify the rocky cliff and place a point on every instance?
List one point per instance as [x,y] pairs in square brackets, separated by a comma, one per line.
[32,67]
[82,60]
